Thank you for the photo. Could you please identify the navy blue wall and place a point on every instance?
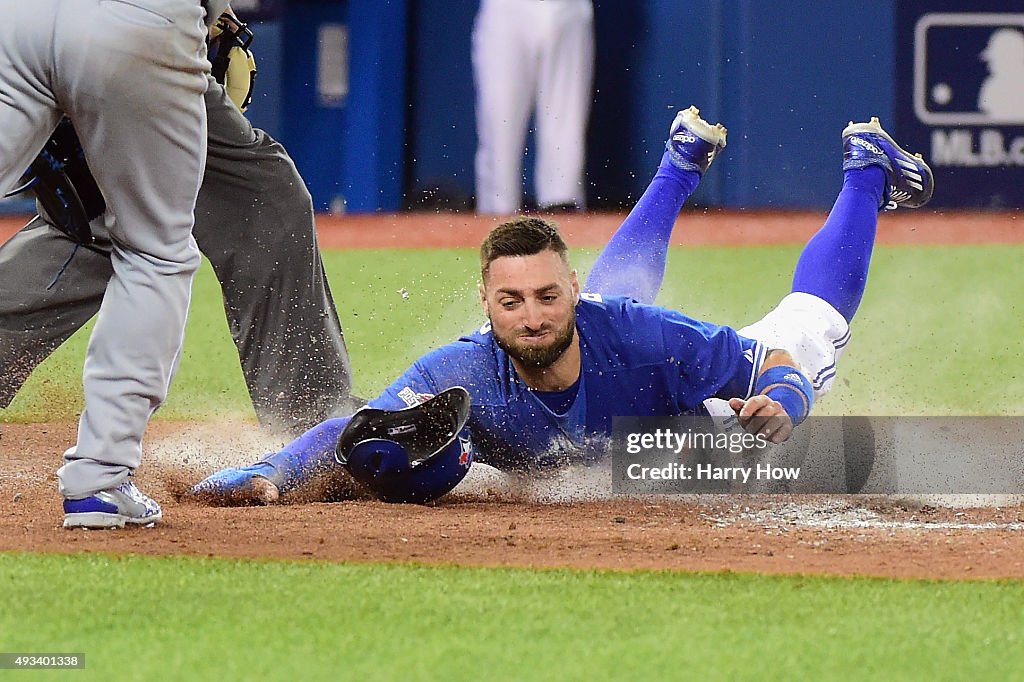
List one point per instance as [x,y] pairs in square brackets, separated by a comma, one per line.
[313,133]
[653,58]
[441,136]
[350,150]
[267,105]
[785,80]
[790,82]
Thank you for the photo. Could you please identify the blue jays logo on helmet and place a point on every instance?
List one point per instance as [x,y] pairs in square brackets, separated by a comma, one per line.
[466,450]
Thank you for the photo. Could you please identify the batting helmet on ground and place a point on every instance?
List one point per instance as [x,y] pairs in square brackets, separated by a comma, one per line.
[412,455]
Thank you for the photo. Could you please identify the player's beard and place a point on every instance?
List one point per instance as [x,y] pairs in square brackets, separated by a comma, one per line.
[538,356]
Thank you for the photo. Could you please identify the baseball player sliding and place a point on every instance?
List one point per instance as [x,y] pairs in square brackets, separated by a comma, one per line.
[551,368]
[131,76]
[253,220]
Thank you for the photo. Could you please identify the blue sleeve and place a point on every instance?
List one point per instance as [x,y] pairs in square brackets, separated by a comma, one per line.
[462,363]
[301,461]
[714,361]
[632,264]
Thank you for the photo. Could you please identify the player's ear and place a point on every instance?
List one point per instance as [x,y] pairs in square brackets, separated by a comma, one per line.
[483,294]
[574,281]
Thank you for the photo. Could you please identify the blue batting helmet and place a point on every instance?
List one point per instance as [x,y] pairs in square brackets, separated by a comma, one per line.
[413,455]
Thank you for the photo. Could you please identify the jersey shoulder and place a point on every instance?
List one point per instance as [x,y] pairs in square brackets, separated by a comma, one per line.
[472,362]
[620,327]
[466,354]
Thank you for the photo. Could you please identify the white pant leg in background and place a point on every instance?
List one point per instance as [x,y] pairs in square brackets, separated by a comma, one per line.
[531,54]
[564,93]
[131,76]
[504,50]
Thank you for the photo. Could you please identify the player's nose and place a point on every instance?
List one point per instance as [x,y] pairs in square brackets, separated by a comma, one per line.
[533,315]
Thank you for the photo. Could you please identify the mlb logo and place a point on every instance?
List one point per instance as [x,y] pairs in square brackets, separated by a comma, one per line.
[969,69]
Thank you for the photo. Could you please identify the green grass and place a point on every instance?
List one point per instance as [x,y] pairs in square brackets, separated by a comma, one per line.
[183,618]
[938,332]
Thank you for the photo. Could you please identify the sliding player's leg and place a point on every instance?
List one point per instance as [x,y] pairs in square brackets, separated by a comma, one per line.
[633,262]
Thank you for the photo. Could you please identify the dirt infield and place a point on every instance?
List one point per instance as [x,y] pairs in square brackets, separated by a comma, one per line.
[698,228]
[842,536]
[702,228]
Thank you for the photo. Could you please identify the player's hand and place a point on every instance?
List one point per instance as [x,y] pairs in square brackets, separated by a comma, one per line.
[237,487]
[762,415]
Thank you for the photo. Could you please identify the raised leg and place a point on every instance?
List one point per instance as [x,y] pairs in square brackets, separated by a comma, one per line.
[633,262]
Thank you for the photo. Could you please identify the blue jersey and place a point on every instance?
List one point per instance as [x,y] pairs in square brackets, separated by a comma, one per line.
[637,360]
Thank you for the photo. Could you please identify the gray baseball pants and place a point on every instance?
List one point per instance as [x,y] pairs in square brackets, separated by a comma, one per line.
[131,76]
[255,223]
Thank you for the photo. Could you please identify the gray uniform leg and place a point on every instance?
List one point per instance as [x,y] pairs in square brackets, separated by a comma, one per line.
[131,76]
[254,220]
[48,291]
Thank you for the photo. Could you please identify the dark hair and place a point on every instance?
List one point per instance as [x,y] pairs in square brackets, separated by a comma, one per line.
[522,236]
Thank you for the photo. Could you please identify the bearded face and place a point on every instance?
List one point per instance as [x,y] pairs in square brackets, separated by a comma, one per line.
[537,348]
[531,303]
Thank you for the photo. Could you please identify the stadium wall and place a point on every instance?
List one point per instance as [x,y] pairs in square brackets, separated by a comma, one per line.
[784,78]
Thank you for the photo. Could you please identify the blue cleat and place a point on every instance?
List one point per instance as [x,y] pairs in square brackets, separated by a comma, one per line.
[693,143]
[910,182]
[112,508]
[245,486]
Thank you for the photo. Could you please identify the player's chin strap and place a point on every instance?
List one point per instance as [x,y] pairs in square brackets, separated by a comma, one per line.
[414,455]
